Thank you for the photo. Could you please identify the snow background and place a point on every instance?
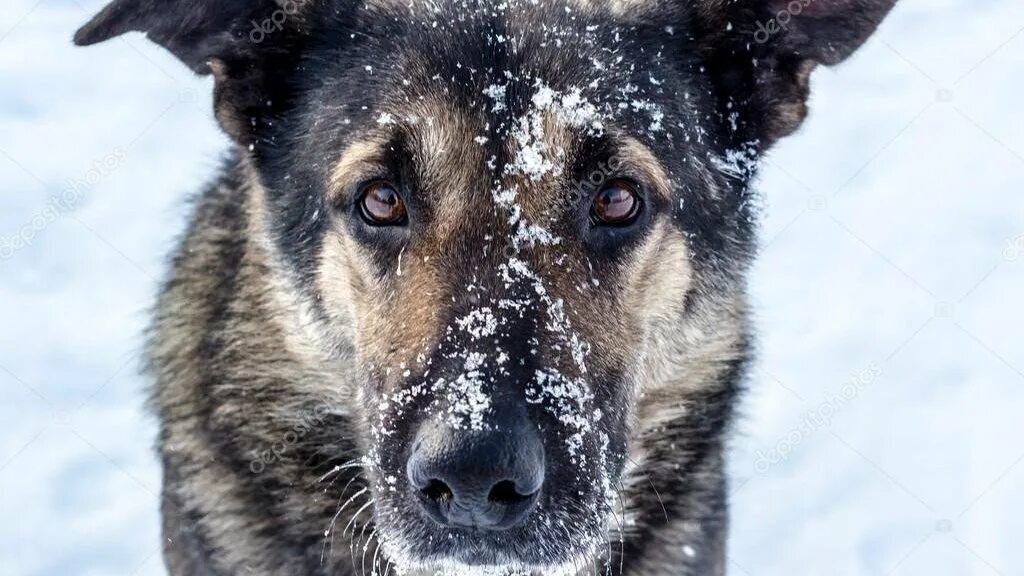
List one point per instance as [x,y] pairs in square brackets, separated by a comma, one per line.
[893,262]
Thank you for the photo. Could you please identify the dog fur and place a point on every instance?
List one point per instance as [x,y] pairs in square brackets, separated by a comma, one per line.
[295,350]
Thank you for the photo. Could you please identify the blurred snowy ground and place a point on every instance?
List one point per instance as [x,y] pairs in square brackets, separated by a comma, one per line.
[884,429]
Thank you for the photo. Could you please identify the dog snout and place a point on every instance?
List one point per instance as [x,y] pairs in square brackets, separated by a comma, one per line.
[488,479]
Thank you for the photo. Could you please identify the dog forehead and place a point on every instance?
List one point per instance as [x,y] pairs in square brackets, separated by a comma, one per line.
[513,11]
[481,162]
[578,39]
[514,100]
[501,58]
[510,146]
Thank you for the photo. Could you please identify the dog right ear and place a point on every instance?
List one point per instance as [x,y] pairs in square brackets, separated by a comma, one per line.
[760,54]
[248,46]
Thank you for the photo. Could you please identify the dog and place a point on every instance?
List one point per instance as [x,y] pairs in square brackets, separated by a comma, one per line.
[468,296]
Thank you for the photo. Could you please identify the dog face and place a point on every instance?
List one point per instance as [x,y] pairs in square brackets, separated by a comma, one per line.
[524,224]
[502,240]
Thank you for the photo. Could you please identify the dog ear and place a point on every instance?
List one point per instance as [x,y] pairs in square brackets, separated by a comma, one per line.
[243,43]
[760,54]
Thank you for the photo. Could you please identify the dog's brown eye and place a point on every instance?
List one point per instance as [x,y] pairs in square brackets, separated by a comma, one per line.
[617,204]
[382,205]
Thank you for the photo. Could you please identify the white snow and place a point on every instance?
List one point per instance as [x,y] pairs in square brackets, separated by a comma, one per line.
[535,157]
[479,323]
[497,94]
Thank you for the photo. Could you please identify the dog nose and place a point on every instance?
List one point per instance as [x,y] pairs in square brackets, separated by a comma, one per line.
[487,479]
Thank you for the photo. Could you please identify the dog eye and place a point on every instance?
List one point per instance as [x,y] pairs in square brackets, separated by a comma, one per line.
[616,204]
[381,205]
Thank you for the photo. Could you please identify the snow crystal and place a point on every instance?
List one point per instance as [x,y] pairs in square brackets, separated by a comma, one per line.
[534,158]
[653,110]
[468,403]
[496,93]
[738,163]
[479,323]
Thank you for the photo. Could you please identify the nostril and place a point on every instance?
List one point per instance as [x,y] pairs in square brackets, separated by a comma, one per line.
[491,479]
[505,492]
[438,491]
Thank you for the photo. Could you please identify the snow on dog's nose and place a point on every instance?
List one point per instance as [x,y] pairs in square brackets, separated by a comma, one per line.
[487,478]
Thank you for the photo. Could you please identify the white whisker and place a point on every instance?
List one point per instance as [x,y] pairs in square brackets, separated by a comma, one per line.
[355,516]
[366,547]
[350,464]
[334,520]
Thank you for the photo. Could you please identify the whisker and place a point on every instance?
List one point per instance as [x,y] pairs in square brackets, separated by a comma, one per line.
[362,532]
[330,529]
[355,516]
[323,550]
[366,547]
[595,561]
[376,556]
[610,557]
[653,487]
[352,552]
[345,489]
[355,463]
[575,559]
[352,538]
[622,529]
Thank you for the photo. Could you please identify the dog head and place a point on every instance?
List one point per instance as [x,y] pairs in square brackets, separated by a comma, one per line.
[523,224]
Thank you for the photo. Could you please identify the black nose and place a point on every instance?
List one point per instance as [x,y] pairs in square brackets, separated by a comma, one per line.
[488,479]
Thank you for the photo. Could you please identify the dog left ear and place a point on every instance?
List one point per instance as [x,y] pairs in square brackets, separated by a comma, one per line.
[246,44]
[760,54]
